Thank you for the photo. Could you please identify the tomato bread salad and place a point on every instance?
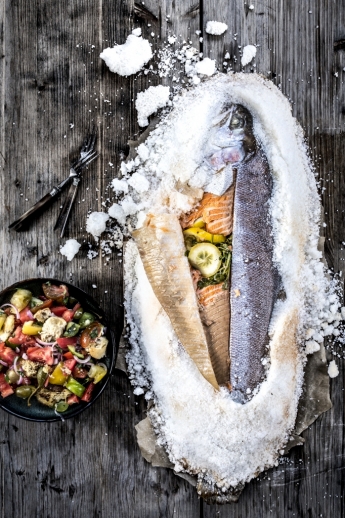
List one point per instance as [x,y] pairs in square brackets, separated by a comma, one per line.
[50,348]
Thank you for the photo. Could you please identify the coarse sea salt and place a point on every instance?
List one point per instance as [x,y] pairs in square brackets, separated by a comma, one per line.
[249,53]
[333,370]
[129,58]
[96,223]
[206,67]
[70,248]
[216,28]
[209,431]
[149,101]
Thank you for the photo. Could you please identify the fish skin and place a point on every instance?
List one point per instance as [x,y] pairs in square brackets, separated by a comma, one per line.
[215,316]
[254,277]
[162,251]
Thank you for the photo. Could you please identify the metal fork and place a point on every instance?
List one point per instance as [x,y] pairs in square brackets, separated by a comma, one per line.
[88,147]
[86,157]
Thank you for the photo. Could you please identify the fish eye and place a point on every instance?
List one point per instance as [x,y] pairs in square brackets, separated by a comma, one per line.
[237,122]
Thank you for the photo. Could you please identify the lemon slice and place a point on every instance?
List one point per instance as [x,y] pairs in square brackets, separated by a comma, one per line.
[206,258]
[199,223]
[201,235]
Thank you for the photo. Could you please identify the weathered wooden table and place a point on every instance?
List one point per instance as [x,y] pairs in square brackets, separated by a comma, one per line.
[52,78]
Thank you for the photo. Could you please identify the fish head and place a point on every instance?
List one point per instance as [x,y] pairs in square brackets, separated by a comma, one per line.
[232,138]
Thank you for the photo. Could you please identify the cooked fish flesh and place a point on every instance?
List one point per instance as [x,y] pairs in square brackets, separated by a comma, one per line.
[161,247]
[215,316]
[216,212]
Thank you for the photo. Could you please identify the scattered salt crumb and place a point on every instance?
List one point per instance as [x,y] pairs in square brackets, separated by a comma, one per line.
[172,39]
[119,185]
[251,7]
[206,67]
[216,28]
[149,101]
[249,53]
[94,286]
[71,125]
[136,32]
[117,212]
[70,248]
[129,58]
[336,74]
[333,370]
[227,56]
[96,223]
[311,347]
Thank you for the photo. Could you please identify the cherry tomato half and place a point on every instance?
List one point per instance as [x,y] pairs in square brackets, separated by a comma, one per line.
[58,293]
[90,334]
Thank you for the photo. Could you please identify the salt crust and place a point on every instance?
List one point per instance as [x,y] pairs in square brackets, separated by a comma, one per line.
[129,58]
[149,101]
[223,442]
[249,53]
[216,28]
[70,248]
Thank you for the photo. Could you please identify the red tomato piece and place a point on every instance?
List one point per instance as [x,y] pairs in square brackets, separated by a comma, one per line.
[7,354]
[59,310]
[68,315]
[64,342]
[41,354]
[72,399]
[70,364]
[20,339]
[68,356]
[46,304]
[5,388]
[79,372]
[88,392]
[23,315]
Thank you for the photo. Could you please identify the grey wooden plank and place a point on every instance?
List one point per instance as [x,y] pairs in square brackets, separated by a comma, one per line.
[295,50]
[90,465]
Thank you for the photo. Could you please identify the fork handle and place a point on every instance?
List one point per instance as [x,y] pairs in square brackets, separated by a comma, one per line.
[67,207]
[19,223]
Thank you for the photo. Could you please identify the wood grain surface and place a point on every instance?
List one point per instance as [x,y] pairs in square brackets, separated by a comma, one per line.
[53,88]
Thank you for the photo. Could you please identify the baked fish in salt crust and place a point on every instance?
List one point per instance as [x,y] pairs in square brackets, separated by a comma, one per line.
[223,280]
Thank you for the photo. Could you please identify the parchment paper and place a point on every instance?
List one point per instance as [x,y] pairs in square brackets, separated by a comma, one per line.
[314,401]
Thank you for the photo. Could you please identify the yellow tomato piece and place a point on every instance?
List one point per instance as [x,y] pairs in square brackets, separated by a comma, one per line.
[201,235]
[3,317]
[21,298]
[29,328]
[58,376]
[97,372]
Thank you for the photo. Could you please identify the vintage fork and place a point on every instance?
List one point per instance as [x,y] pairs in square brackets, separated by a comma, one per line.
[88,147]
[86,157]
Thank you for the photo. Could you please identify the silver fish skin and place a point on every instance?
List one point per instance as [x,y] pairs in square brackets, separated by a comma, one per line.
[254,277]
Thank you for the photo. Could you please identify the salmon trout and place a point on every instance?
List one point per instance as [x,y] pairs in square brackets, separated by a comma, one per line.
[254,278]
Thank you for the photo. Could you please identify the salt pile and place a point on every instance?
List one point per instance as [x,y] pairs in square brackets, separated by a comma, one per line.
[209,430]
[149,101]
[249,53]
[96,223]
[70,248]
[216,28]
[129,58]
